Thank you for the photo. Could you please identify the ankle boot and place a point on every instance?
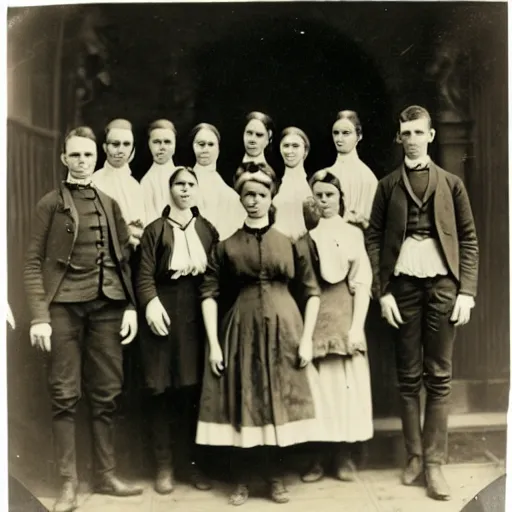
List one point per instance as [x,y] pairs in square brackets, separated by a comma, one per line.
[164,480]
[413,471]
[437,487]
[67,500]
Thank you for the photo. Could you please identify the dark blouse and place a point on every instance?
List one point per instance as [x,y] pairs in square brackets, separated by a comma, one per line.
[156,250]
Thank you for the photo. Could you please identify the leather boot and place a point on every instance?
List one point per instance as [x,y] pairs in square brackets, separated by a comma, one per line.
[67,500]
[437,487]
[110,484]
[413,472]
[344,466]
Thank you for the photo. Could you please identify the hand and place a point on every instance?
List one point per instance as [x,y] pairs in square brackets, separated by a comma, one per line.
[355,339]
[462,309]
[305,352]
[10,318]
[390,310]
[40,336]
[128,326]
[216,359]
[157,317]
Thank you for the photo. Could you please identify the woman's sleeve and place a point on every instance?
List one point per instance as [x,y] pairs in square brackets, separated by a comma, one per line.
[210,286]
[305,279]
[145,286]
[360,272]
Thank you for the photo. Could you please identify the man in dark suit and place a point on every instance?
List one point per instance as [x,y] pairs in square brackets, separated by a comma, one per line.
[80,295]
[423,248]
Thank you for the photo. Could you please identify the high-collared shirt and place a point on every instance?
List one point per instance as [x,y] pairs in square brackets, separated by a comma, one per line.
[293,191]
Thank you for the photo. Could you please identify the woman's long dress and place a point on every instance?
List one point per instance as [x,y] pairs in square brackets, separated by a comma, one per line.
[263,398]
[345,377]
[176,360]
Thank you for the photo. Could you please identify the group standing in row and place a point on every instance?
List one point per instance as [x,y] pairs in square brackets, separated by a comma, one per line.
[253,297]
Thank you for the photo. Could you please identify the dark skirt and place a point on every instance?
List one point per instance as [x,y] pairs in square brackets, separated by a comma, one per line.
[176,360]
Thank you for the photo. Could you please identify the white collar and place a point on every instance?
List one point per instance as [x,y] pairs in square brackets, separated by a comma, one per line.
[347,158]
[205,169]
[295,171]
[257,223]
[84,181]
[125,169]
[418,162]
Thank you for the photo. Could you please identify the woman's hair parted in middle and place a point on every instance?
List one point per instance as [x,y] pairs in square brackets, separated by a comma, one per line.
[325,176]
[178,171]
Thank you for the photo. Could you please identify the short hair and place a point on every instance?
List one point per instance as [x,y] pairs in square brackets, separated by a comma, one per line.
[414,112]
[325,176]
[293,130]
[264,118]
[122,124]
[162,124]
[204,126]
[80,131]
[179,170]
[353,117]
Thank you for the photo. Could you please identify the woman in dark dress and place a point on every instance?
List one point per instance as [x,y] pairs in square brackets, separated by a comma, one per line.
[174,252]
[260,389]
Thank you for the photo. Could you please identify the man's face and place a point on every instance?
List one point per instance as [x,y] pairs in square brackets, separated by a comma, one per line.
[118,147]
[80,157]
[415,136]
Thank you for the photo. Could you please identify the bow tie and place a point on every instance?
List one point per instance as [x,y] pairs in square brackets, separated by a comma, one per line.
[78,186]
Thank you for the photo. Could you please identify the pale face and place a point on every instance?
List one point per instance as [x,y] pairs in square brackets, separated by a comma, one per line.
[206,147]
[183,190]
[293,150]
[344,136]
[328,197]
[118,147]
[256,138]
[256,199]
[80,157]
[162,144]
[415,136]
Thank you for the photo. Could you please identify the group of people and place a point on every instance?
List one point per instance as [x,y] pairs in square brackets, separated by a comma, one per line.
[250,300]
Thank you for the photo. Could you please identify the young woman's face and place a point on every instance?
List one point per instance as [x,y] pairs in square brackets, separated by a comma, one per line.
[162,144]
[206,147]
[328,197]
[344,136]
[80,157]
[256,199]
[118,147]
[293,150]
[183,190]
[256,138]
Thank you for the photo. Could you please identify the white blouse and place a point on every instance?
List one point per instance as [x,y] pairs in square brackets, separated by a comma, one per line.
[358,184]
[120,185]
[342,253]
[188,255]
[293,191]
[155,189]
[218,202]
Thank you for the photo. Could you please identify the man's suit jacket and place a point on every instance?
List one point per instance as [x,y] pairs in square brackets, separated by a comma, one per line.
[54,233]
[454,225]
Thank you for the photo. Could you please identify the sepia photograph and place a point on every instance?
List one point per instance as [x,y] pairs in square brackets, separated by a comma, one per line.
[257,255]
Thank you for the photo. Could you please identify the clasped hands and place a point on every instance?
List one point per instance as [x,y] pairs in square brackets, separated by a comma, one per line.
[40,334]
[460,315]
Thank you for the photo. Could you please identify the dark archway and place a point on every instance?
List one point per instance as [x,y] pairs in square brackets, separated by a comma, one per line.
[300,73]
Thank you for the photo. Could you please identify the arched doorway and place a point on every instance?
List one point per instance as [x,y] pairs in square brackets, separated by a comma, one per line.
[299,72]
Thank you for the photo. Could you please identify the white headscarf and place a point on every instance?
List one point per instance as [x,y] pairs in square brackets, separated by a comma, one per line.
[156,190]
